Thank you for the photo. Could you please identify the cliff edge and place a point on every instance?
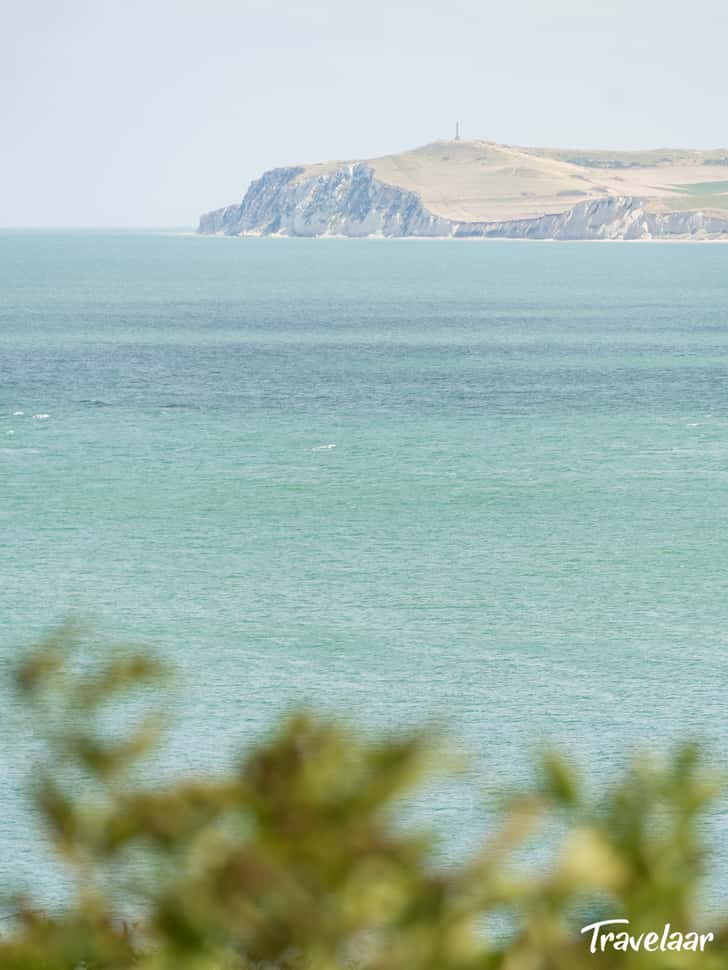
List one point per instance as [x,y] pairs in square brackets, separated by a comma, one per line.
[482,190]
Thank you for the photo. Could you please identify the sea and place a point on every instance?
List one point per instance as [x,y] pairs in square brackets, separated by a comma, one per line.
[482,485]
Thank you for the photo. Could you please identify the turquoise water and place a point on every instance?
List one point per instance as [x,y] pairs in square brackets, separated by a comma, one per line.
[478,482]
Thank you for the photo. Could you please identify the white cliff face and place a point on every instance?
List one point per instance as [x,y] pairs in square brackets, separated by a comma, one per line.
[612,218]
[350,201]
[346,202]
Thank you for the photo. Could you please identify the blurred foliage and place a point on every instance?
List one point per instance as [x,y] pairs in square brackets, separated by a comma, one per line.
[293,859]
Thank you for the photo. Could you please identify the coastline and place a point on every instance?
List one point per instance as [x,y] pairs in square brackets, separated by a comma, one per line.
[682,240]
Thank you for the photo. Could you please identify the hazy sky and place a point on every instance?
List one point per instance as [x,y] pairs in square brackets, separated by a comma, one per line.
[147,112]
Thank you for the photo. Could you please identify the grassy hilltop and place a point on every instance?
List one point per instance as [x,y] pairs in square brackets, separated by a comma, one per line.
[478,180]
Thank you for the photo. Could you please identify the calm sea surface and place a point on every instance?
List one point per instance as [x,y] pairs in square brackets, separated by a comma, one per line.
[485,483]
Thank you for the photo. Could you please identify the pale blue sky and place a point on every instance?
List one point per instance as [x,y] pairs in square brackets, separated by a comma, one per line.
[146,112]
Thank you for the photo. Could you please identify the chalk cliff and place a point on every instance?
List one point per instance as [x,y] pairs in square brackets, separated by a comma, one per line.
[349,199]
[347,202]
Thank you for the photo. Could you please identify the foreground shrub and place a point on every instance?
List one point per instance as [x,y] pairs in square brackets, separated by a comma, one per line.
[292,860]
